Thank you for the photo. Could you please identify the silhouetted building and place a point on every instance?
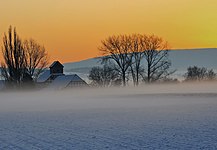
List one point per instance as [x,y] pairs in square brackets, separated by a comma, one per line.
[54,78]
[56,67]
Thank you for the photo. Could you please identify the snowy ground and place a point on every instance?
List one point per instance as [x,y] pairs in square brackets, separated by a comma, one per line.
[153,117]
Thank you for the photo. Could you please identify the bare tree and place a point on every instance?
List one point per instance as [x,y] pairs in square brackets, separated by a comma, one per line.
[117,49]
[95,76]
[13,67]
[36,57]
[211,75]
[199,74]
[103,76]
[156,54]
[137,56]
[22,60]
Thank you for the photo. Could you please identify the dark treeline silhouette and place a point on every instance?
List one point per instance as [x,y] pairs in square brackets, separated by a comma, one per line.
[104,76]
[141,58]
[126,53]
[199,74]
[23,60]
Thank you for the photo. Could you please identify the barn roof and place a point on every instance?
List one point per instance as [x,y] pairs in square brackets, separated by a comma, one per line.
[63,81]
[44,76]
[54,63]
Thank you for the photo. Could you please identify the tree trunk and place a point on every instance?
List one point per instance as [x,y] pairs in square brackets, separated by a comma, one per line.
[149,73]
[137,77]
[133,75]
[124,78]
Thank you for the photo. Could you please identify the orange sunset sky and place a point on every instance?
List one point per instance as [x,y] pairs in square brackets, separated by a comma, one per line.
[71,30]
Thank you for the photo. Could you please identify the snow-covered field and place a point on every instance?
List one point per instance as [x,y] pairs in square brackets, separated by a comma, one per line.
[150,117]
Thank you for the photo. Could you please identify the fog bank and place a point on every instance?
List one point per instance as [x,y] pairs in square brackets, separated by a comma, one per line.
[102,98]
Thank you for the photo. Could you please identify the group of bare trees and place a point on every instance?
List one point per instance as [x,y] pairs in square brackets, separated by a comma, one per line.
[104,76]
[23,60]
[195,73]
[142,57]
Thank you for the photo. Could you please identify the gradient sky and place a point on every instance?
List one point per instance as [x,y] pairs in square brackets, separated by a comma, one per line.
[71,30]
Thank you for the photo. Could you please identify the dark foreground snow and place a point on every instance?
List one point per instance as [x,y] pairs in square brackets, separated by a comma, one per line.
[110,119]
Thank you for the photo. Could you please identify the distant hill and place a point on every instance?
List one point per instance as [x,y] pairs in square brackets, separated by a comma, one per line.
[181,59]
[82,64]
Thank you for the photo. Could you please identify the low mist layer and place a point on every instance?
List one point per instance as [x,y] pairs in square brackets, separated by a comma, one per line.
[144,96]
